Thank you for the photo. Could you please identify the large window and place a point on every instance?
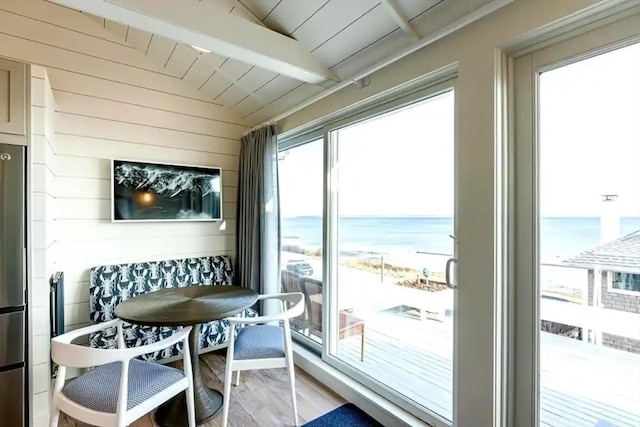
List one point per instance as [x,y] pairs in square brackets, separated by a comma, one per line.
[384,313]
[301,205]
[578,332]
[393,312]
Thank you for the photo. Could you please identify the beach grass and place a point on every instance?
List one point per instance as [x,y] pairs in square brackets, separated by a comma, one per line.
[406,276]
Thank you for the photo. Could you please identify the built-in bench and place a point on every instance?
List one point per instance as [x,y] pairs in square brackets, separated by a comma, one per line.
[109,285]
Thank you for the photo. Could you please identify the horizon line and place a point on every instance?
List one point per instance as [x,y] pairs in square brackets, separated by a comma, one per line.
[444,216]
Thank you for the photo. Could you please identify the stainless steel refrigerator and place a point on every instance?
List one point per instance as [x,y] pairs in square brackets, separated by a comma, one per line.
[12,286]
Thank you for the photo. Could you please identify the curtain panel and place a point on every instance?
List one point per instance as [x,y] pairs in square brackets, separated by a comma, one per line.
[258,213]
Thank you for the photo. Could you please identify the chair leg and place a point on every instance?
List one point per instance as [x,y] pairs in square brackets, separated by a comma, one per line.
[191,408]
[227,392]
[237,381]
[292,382]
[54,417]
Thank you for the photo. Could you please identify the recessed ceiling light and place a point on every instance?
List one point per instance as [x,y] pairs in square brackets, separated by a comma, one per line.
[200,49]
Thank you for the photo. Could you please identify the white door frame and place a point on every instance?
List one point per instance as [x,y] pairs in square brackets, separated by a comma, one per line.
[330,299]
[611,34]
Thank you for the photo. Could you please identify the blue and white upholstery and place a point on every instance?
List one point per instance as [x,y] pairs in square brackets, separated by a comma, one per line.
[109,285]
[259,342]
[118,388]
[97,389]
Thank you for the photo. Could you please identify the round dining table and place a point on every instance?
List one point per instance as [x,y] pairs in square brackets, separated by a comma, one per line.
[188,306]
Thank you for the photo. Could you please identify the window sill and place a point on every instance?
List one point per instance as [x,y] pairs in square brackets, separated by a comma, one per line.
[372,403]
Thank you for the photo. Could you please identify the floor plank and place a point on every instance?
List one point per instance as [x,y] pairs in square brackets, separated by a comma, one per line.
[261,399]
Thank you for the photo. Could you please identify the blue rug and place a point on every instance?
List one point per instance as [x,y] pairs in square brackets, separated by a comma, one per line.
[348,415]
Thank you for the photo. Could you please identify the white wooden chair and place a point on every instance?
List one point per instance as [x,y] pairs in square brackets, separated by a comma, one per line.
[263,346]
[120,389]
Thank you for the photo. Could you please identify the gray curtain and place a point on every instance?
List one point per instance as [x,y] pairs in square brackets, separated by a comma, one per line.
[258,215]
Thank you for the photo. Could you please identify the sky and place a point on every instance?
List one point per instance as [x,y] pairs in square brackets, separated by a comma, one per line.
[401,163]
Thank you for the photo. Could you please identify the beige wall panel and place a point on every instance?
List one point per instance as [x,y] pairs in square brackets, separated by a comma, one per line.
[60,37]
[75,252]
[101,209]
[112,139]
[64,17]
[93,86]
[54,57]
[86,106]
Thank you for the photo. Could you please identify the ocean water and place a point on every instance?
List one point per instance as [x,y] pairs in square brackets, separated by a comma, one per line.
[561,237]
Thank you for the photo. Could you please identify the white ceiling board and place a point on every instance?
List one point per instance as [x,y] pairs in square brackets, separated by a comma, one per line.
[182,59]
[276,88]
[330,20]
[294,97]
[215,61]
[246,106]
[286,102]
[199,73]
[231,96]
[65,17]
[238,9]
[436,18]
[97,19]
[160,48]
[138,38]
[67,39]
[371,27]
[222,33]
[256,78]
[290,14]
[215,84]
[348,36]
[233,69]
[412,8]
[377,51]
[118,29]
[261,8]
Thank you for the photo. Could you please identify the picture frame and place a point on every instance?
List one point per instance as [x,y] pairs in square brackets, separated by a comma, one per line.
[162,192]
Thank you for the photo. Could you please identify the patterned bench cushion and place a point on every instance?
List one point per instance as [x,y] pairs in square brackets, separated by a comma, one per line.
[109,285]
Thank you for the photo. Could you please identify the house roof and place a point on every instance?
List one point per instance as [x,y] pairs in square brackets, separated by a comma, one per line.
[621,255]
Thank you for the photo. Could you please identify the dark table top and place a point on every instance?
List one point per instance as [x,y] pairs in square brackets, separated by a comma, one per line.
[186,306]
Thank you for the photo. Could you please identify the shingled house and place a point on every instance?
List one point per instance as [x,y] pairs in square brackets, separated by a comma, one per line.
[614,281]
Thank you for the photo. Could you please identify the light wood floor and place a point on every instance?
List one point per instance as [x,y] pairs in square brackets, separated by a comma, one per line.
[262,398]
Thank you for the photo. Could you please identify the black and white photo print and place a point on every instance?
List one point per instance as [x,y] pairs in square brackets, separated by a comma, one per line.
[162,192]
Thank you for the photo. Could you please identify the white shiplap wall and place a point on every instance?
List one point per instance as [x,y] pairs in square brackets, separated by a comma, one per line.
[108,102]
[42,141]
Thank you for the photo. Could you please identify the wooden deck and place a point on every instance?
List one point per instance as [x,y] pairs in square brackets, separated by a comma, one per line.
[582,384]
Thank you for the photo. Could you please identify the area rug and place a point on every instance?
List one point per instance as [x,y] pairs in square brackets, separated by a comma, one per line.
[348,415]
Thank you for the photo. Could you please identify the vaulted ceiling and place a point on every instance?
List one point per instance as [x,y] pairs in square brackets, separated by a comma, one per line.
[265,56]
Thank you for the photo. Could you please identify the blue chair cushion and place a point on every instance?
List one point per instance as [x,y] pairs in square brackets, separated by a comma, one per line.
[259,342]
[97,388]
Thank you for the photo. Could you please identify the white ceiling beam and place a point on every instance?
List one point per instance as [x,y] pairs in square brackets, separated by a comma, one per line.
[248,12]
[400,19]
[224,34]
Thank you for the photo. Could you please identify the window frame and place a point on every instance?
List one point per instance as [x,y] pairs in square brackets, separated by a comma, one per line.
[385,105]
[292,143]
[428,86]
[524,69]
[610,288]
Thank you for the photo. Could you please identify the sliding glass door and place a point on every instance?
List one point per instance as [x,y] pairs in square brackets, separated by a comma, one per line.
[301,174]
[577,253]
[390,237]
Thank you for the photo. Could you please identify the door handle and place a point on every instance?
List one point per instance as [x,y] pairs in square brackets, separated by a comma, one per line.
[447,273]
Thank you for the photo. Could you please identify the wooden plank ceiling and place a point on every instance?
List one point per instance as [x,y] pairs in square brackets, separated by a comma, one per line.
[347,36]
